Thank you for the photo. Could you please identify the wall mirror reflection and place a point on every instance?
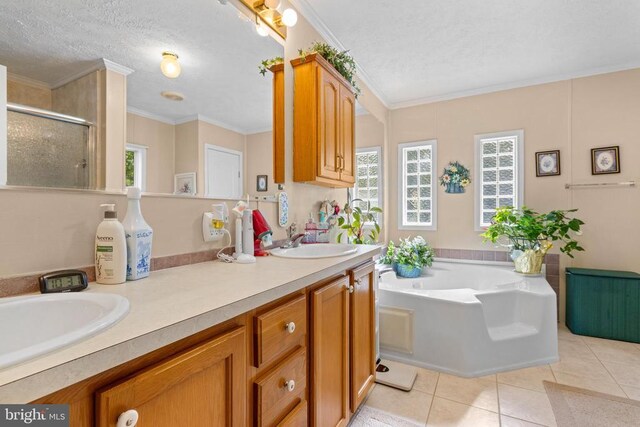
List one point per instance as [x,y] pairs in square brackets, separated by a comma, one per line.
[154,90]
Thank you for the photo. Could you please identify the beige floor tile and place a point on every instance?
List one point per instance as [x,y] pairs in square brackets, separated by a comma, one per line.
[526,405]
[603,341]
[575,349]
[616,351]
[582,368]
[632,392]
[608,387]
[624,373]
[565,334]
[514,422]
[426,381]
[447,413]
[413,405]
[479,392]
[530,378]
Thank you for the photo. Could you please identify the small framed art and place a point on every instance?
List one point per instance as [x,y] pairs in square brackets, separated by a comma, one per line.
[262,182]
[548,163]
[185,184]
[605,160]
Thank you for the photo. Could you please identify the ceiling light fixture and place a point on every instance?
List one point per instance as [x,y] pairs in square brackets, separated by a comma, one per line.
[169,65]
[173,96]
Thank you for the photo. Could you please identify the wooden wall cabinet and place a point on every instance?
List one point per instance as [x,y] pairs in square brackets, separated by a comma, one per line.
[323,124]
[278,124]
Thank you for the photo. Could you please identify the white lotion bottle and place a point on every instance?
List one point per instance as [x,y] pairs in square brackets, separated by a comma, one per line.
[139,236]
[111,249]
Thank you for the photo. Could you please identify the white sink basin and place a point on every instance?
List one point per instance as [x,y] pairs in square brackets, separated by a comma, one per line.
[37,324]
[320,250]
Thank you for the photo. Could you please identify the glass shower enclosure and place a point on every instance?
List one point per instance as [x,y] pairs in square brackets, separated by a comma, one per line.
[48,149]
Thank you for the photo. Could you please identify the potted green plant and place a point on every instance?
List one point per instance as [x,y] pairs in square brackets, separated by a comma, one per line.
[530,234]
[360,225]
[409,257]
[339,59]
[266,64]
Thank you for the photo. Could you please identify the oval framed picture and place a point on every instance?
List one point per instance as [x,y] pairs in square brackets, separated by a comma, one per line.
[605,160]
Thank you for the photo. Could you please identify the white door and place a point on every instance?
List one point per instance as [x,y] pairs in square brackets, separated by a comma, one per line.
[223,172]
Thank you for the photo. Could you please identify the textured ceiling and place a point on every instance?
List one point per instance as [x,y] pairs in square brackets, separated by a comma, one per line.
[416,51]
[48,40]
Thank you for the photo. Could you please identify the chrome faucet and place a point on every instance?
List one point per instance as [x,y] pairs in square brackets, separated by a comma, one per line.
[294,241]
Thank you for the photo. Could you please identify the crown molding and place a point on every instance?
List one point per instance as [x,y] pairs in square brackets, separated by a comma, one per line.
[28,81]
[148,115]
[314,19]
[259,130]
[99,64]
[209,120]
[514,85]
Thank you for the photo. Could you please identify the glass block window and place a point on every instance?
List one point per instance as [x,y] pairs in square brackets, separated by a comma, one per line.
[368,186]
[499,173]
[135,166]
[417,189]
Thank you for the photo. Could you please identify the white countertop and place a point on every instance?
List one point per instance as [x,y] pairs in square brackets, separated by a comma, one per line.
[167,306]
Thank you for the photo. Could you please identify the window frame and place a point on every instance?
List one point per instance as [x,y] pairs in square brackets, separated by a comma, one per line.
[433,144]
[519,166]
[378,150]
[139,165]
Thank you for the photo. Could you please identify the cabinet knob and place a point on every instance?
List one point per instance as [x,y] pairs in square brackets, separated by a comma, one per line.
[358,282]
[351,289]
[128,418]
[290,327]
[290,385]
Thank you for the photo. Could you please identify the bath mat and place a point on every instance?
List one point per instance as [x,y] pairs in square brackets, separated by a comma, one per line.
[576,407]
[372,417]
[398,376]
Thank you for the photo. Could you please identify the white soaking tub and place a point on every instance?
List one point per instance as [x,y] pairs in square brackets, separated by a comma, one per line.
[468,319]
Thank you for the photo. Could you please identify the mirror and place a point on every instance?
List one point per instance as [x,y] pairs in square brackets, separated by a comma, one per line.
[90,108]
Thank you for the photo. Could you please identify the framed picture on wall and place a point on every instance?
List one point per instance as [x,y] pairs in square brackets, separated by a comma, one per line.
[548,163]
[605,160]
[262,182]
[185,184]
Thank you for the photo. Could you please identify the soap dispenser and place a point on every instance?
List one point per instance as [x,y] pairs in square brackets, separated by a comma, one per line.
[139,237]
[111,249]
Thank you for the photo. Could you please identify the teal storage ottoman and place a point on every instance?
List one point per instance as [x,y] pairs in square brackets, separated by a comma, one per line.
[603,303]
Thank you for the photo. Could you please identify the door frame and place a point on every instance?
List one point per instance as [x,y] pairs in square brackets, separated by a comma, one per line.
[240,154]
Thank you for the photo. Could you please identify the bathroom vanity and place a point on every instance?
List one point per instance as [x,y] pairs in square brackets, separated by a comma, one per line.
[280,342]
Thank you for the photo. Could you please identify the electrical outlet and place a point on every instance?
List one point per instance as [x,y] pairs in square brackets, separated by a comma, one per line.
[209,232]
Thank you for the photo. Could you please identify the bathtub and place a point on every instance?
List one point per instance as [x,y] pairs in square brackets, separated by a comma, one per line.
[468,319]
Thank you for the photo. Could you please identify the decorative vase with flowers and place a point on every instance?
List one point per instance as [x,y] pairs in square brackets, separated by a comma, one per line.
[409,257]
[455,178]
[529,235]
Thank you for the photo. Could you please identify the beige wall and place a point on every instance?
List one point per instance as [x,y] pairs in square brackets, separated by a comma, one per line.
[572,116]
[159,138]
[186,148]
[3,124]
[369,131]
[19,92]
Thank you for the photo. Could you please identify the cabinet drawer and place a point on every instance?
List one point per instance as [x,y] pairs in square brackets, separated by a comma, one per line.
[296,418]
[279,391]
[279,330]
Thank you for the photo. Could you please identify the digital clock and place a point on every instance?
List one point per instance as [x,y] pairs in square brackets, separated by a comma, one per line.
[63,281]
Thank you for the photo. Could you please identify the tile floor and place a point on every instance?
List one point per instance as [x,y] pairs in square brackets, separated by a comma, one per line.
[515,398]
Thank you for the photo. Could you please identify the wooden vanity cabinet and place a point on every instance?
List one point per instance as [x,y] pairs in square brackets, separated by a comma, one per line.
[203,386]
[323,124]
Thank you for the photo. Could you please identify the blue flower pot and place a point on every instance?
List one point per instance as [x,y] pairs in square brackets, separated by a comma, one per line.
[408,271]
[454,188]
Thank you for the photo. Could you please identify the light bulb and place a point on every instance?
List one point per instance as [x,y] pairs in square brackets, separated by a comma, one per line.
[272,4]
[289,17]
[169,65]
[261,29]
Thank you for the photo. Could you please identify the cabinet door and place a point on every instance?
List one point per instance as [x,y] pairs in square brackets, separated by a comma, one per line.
[362,334]
[203,386]
[328,127]
[347,135]
[329,352]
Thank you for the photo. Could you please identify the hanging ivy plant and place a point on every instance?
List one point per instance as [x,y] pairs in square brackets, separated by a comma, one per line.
[340,60]
[266,64]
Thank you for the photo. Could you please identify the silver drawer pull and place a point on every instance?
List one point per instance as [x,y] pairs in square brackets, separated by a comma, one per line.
[290,327]
[290,385]
[128,418]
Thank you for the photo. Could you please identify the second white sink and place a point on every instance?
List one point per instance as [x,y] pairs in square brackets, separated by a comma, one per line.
[319,250]
[37,324]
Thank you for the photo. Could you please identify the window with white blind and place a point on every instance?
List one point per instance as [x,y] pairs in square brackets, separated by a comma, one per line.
[416,190]
[368,186]
[500,173]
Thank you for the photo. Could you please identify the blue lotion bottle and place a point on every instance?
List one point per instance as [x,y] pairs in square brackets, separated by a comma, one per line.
[139,236]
